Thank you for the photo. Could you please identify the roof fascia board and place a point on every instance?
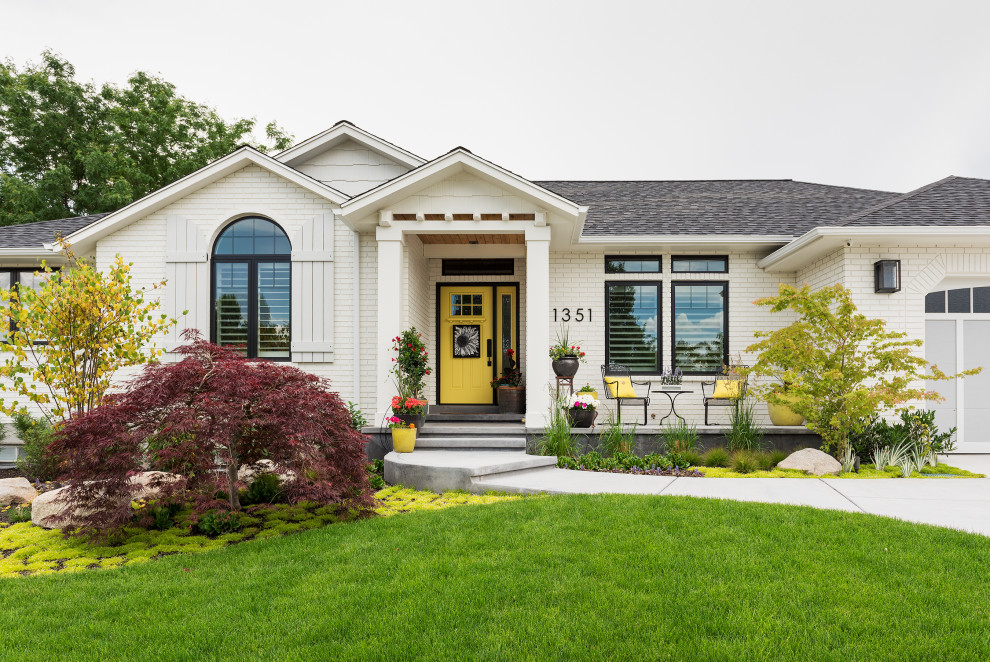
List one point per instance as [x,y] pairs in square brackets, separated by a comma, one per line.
[455,161]
[684,239]
[202,177]
[49,252]
[821,240]
[340,132]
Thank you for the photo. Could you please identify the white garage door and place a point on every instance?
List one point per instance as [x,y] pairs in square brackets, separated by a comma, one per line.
[957,337]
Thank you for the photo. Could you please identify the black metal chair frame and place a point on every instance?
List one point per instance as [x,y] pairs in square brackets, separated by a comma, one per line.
[615,370]
[711,401]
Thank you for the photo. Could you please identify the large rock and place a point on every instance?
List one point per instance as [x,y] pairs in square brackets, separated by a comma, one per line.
[14,491]
[44,510]
[812,461]
[150,484]
[247,472]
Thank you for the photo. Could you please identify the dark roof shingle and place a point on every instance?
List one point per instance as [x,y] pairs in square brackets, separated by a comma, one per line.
[730,207]
[953,201]
[33,235]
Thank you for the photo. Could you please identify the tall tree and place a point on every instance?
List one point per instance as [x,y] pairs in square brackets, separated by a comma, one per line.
[69,148]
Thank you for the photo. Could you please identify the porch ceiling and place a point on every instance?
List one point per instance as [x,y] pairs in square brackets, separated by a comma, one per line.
[472,238]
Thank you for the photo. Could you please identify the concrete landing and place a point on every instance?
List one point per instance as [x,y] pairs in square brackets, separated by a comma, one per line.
[440,470]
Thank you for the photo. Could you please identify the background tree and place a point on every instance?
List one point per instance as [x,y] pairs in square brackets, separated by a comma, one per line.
[70,148]
[72,334]
[213,409]
[841,368]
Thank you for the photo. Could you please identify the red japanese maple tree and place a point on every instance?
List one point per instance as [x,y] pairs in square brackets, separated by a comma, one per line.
[203,418]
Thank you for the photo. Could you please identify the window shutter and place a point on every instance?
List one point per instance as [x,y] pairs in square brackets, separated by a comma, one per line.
[312,291]
[187,271]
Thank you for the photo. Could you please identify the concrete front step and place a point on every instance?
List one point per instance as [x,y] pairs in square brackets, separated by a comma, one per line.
[472,442]
[440,470]
[476,429]
[474,418]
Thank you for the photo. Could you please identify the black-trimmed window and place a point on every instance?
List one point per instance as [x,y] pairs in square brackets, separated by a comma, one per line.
[960,300]
[252,289]
[633,264]
[17,279]
[699,264]
[632,328]
[700,326]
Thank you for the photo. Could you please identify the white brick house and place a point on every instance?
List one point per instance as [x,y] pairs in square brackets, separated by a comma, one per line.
[323,253]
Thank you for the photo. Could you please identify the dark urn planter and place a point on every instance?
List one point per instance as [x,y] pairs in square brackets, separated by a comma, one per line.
[416,419]
[511,399]
[566,366]
[582,418]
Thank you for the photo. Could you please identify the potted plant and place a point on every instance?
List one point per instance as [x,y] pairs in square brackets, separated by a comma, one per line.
[565,356]
[410,410]
[588,389]
[581,410]
[779,411]
[403,435]
[511,392]
[410,369]
[671,380]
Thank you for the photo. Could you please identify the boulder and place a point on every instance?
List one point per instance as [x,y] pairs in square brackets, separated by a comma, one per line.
[247,472]
[150,483]
[44,509]
[812,461]
[14,491]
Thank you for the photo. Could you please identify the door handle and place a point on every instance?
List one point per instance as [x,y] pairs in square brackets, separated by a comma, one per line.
[489,351]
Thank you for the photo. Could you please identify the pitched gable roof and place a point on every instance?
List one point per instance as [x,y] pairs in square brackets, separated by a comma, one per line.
[780,208]
[950,202]
[340,132]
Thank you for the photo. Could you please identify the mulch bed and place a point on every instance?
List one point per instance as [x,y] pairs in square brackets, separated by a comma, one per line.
[10,473]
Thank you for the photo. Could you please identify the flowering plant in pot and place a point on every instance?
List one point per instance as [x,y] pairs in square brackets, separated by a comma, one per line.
[588,389]
[410,410]
[671,379]
[511,392]
[581,410]
[403,435]
[565,355]
[777,406]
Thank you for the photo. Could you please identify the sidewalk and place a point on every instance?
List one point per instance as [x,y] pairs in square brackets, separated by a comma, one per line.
[958,503]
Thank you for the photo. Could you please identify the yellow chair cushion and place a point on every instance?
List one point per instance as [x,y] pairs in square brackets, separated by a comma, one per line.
[620,387]
[729,389]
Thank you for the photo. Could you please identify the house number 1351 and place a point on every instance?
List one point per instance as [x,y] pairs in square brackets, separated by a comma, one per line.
[579,315]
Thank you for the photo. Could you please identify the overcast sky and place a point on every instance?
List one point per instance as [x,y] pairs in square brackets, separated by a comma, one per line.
[886,95]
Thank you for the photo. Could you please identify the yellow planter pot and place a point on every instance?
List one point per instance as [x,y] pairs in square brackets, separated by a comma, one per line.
[403,440]
[783,415]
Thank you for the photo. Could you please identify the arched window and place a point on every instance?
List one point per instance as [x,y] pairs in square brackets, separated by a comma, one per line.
[252,289]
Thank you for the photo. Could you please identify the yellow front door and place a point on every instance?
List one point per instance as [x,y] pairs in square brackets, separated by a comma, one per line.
[466,344]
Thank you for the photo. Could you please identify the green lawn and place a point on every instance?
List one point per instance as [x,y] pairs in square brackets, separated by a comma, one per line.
[576,577]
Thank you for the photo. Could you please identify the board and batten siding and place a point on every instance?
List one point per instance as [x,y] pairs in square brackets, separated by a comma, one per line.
[313,291]
[187,269]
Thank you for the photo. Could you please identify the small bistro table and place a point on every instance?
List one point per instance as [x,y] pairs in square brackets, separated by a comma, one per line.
[672,394]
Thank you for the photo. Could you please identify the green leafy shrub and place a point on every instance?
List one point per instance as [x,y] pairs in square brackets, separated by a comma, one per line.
[163,515]
[744,462]
[716,457]
[679,436]
[358,419]
[679,460]
[265,488]
[36,461]
[376,474]
[916,428]
[218,522]
[18,514]
[743,433]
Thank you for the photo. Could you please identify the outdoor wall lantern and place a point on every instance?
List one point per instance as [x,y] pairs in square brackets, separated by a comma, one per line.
[887,276]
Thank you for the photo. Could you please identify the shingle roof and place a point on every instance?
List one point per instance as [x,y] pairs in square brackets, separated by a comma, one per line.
[953,201]
[729,207]
[33,235]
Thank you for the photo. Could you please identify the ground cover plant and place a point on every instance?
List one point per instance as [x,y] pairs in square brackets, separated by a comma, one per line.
[531,579]
[26,549]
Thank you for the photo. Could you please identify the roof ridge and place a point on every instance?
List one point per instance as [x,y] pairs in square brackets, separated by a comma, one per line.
[901,198]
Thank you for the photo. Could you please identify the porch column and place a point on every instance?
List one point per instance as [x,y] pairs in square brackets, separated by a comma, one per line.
[537,325]
[389,314]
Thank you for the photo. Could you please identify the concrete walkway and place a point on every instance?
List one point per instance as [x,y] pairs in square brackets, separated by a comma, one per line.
[955,503]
